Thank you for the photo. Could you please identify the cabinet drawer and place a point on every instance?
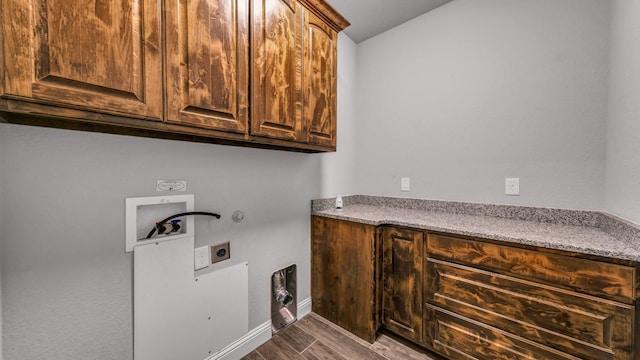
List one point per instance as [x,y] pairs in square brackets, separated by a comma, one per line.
[459,338]
[575,323]
[612,281]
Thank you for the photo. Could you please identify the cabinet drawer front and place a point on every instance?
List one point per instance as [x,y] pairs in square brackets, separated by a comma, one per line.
[457,337]
[615,282]
[575,323]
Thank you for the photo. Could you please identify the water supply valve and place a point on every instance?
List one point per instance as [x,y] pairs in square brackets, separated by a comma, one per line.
[168,228]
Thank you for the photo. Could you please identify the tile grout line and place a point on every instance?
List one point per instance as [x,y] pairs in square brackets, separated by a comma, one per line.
[310,345]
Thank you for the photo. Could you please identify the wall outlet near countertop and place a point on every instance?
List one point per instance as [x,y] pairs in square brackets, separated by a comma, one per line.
[405,184]
[512,186]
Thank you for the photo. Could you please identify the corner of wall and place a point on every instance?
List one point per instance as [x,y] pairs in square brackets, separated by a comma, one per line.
[622,169]
[2,152]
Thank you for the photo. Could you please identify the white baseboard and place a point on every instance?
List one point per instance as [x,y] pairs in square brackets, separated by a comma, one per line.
[246,344]
[304,307]
[255,337]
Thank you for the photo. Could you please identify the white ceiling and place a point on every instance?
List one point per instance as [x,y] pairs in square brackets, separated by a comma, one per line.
[371,17]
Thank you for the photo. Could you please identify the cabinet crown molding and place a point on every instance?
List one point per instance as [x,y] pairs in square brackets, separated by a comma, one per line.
[327,13]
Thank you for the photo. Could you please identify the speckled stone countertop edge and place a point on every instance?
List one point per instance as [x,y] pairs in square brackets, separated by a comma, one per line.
[516,212]
[608,235]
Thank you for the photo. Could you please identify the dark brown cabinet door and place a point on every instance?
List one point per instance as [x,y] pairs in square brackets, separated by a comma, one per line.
[207,65]
[277,60]
[101,55]
[320,82]
[402,277]
[345,274]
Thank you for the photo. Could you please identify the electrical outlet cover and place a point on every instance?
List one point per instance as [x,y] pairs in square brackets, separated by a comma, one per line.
[220,252]
[405,184]
[512,186]
[201,257]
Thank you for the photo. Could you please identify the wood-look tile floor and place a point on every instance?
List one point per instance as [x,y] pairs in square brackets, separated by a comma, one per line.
[315,338]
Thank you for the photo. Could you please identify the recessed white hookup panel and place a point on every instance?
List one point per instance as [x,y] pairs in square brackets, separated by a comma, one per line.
[180,316]
[142,213]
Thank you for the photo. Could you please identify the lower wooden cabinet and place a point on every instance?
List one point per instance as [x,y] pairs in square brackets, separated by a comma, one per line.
[402,256]
[529,302]
[345,275]
[534,316]
[470,298]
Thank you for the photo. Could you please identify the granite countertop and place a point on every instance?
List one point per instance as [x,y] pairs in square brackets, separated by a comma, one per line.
[587,232]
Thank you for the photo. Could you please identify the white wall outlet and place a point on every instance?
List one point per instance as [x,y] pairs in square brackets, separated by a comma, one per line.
[201,257]
[512,186]
[405,184]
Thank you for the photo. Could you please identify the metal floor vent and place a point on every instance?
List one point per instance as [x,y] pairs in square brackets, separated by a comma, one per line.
[284,304]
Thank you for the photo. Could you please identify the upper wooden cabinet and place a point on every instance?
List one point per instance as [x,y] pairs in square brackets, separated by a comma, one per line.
[207,55]
[102,55]
[277,69]
[198,70]
[294,73]
[320,64]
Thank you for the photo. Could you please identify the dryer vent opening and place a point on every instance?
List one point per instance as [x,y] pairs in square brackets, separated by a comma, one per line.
[284,304]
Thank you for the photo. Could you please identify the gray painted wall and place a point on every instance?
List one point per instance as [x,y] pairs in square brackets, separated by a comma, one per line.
[476,91]
[623,127]
[67,282]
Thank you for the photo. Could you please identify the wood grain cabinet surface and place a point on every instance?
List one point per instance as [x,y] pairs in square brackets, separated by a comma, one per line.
[102,56]
[493,301]
[468,298]
[345,275]
[258,73]
[277,60]
[207,75]
[320,82]
[402,259]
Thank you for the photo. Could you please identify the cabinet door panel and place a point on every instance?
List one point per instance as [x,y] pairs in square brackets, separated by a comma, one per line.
[320,82]
[402,289]
[277,64]
[208,64]
[345,275]
[101,55]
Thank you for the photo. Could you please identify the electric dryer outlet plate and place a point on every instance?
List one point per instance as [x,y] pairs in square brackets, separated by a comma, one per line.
[220,252]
